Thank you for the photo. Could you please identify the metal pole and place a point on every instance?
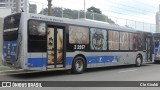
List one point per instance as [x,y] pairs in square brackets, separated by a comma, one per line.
[135,25]
[62,12]
[49,7]
[127,23]
[93,15]
[78,14]
[17,5]
[85,9]
[143,26]
[42,8]
[151,28]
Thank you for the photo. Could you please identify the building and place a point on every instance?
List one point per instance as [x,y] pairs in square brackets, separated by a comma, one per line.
[2,3]
[33,8]
[4,12]
[158,21]
[17,5]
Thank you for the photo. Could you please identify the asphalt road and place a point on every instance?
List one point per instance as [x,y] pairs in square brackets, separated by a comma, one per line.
[147,72]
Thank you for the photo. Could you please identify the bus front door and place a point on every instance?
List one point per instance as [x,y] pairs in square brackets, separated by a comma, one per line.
[55,47]
[148,49]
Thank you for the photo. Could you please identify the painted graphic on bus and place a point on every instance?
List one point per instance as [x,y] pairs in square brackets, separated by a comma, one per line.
[135,41]
[98,39]
[78,35]
[51,46]
[59,46]
[124,41]
[113,40]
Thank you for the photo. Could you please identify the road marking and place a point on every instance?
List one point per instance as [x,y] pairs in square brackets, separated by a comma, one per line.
[128,70]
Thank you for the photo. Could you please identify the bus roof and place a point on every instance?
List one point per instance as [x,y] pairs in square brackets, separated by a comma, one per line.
[81,22]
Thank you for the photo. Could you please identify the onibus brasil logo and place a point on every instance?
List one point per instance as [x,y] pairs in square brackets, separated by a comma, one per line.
[20,84]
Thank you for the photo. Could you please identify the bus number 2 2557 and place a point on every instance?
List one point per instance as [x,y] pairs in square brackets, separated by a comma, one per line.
[80,47]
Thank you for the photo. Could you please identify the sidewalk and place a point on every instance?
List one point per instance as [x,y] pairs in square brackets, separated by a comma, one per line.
[4,68]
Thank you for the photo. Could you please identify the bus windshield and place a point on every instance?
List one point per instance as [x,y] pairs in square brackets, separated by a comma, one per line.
[11,26]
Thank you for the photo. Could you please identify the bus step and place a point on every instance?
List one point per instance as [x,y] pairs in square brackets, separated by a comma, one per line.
[50,69]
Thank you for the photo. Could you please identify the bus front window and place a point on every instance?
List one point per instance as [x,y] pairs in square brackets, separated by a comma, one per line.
[11,26]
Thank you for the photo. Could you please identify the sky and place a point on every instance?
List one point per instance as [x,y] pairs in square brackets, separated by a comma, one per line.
[136,10]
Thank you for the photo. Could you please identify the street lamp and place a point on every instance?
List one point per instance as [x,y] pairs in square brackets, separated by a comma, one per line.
[49,7]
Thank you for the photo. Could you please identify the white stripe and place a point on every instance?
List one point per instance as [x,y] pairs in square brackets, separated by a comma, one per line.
[14,73]
[1,66]
[12,29]
[128,70]
[9,70]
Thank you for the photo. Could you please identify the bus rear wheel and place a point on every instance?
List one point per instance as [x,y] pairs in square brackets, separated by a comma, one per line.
[156,61]
[138,61]
[78,65]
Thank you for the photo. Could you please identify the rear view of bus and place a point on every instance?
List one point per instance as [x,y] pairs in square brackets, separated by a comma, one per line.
[11,40]
[156,47]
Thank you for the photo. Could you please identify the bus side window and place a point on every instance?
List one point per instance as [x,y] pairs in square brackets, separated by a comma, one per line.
[37,36]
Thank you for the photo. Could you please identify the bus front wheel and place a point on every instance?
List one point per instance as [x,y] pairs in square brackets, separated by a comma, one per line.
[78,65]
[138,61]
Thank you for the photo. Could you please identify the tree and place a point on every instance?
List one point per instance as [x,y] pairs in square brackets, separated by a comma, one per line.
[74,14]
[55,11]
[98,15]
[94,10]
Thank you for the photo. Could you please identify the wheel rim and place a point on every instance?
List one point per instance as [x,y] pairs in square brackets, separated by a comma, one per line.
[138,61]
[79,65]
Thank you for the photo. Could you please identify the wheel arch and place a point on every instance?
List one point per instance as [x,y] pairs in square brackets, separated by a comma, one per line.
[80,55]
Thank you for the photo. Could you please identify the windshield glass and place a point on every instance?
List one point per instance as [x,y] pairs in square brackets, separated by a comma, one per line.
[11,26]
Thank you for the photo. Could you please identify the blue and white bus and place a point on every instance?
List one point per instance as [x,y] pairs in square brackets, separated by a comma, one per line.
[38,42]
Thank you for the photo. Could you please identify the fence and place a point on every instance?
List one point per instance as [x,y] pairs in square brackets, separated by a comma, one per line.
[75,14]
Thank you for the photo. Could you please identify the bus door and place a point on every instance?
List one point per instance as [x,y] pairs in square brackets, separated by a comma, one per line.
[55,47]
[148,49]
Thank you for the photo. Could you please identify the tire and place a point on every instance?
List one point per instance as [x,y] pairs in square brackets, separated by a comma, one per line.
[156,61]
[78,65]
[138,61]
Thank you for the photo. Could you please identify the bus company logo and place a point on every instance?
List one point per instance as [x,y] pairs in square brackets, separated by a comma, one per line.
[6,84]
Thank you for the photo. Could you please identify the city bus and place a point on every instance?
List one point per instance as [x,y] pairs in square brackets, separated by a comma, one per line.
[39,42]
[156,42]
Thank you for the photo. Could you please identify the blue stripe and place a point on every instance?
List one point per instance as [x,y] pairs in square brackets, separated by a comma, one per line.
[41,62]
[102,59]
[37,62]
[96,59]
[69,60]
